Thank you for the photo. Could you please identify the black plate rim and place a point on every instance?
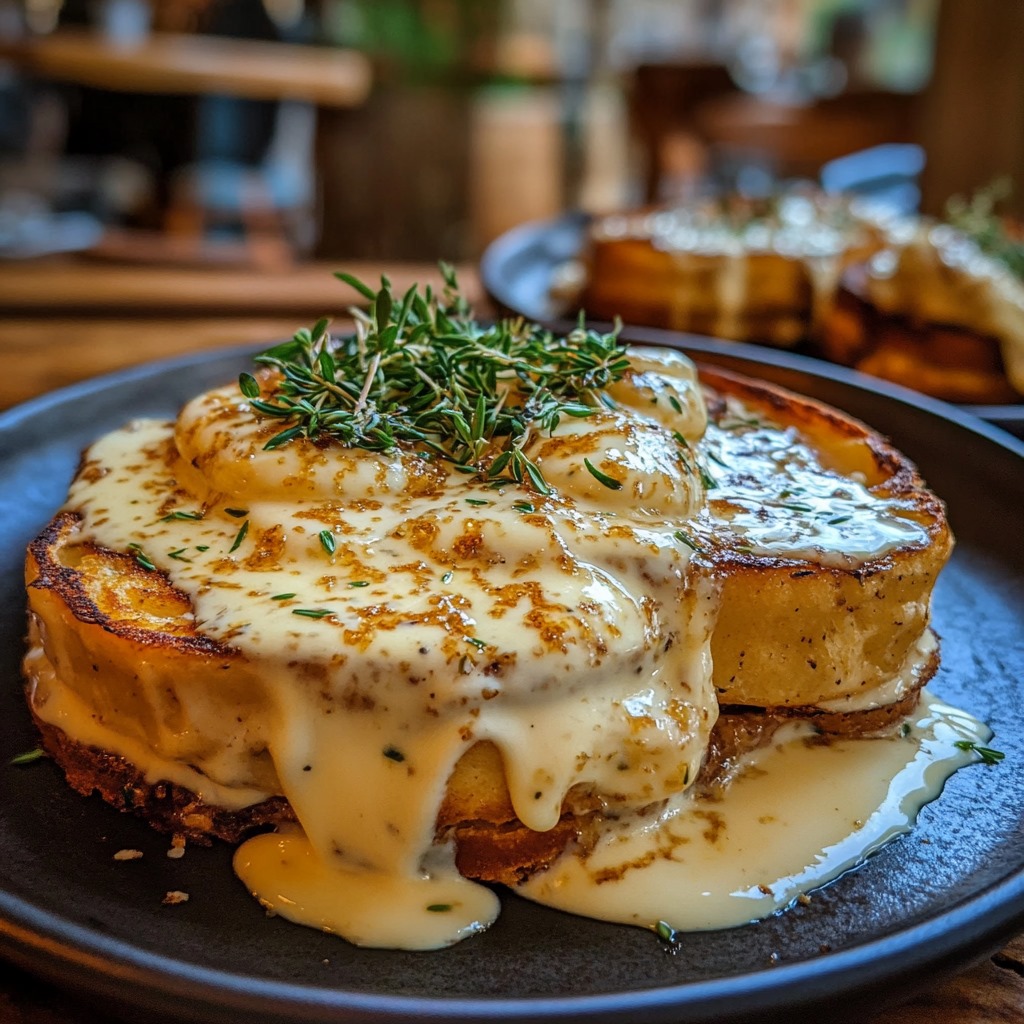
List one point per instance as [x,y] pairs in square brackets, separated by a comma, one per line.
[87,961]
[518,243]
[100,966]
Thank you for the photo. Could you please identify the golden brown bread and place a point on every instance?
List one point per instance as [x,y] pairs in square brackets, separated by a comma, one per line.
[947,360]
[792,632]
[748,270]
[789,632]
[630,279]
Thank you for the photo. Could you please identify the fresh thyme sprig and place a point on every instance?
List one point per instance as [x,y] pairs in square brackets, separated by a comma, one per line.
[978,217]
[421,373]
[987,754]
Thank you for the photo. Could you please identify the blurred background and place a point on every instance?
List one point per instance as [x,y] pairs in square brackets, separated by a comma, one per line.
[276,131]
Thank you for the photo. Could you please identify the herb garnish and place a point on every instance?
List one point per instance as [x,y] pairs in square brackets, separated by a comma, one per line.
[141,557]
[420,373]
[28,756]
[327,541]
[239,537]
[686,539]
[313,613]
[179,514]
[609,481]
[977,217]
[709,482]
[987,754]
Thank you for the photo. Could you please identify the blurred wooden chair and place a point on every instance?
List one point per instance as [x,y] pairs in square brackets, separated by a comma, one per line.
[250,180]
[793,140]
[664,99]
[266,203]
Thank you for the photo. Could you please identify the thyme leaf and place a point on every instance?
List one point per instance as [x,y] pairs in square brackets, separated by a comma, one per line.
[28,756]
[141,557]
[239,537]
[987,754]
[609,481]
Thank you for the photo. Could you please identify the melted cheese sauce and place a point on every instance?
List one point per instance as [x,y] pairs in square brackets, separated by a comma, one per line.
[384,614]
[935,274]
[801,814]
[772,497]
[808,239]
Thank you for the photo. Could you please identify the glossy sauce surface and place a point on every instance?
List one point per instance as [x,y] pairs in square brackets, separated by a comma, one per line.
[935,274]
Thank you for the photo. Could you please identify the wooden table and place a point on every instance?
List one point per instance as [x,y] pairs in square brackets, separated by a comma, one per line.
[167,62]
[61,322]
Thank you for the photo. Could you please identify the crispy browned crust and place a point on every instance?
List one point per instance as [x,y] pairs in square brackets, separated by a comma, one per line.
[494,847]
[165,806]
[143,607]
[944,360]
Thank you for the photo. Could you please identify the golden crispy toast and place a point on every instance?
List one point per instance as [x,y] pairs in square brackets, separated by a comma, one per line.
[832,629]
[954,362]
[795,631]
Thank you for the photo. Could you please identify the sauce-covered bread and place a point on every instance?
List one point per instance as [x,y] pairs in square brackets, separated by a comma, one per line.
[443,600]
[934,311]
[749,270]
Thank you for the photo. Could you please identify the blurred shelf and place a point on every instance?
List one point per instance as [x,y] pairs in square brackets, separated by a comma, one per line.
[165,62]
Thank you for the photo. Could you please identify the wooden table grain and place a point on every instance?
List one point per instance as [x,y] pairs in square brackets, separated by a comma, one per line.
[62,322]
[167,62]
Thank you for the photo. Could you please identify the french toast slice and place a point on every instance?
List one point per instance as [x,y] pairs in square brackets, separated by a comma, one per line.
[822,633]
[759,296]
[826,626]
[956,362]
[760,271]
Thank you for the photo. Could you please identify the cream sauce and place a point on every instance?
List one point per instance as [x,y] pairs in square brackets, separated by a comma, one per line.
[933,273]
[386,615]
[809,239]
[774,497]
[800,815]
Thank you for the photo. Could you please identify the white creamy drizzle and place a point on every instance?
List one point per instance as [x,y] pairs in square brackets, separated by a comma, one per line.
[908,679]
[565,629]
[934,273]
[815,233]
[802,814]
[776,498]
[58,704]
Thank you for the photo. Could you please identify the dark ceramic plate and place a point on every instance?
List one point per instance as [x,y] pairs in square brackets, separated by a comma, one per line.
[926,905]
[518,269]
